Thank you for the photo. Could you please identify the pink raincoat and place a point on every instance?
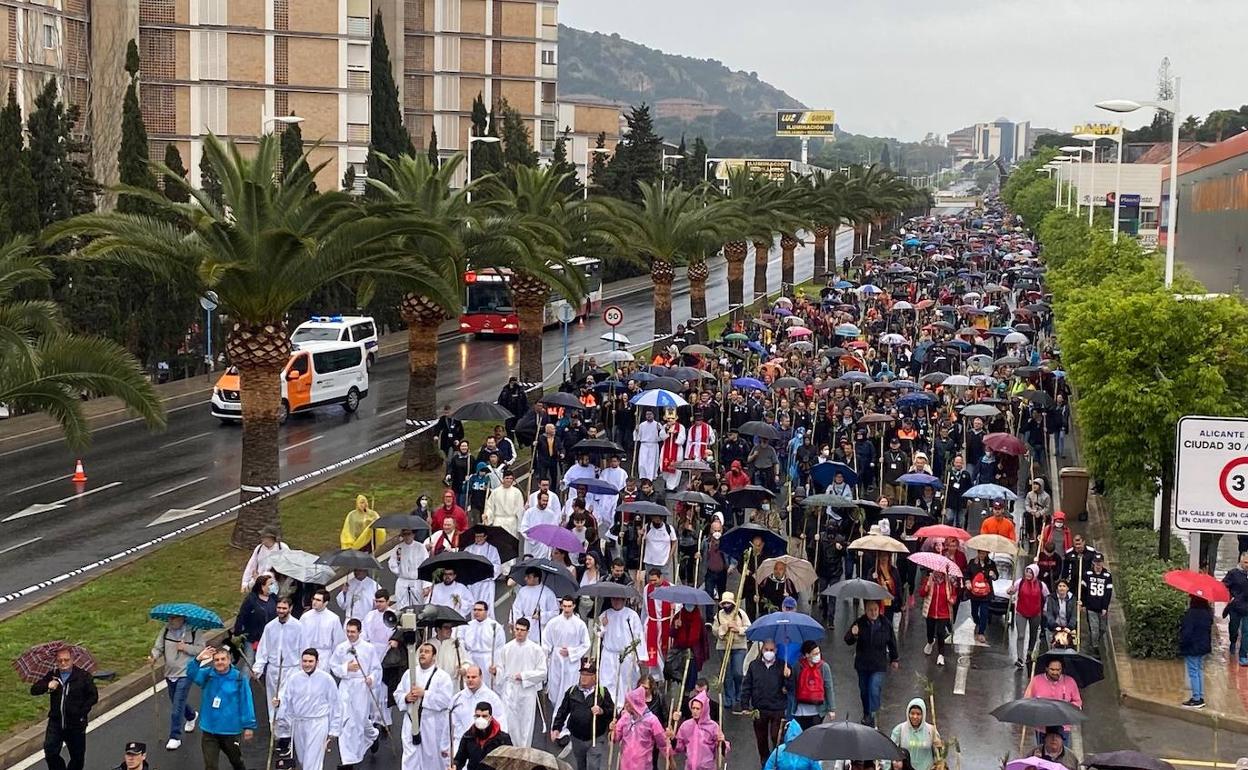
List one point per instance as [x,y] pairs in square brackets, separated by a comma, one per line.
[639,732]
[697,739]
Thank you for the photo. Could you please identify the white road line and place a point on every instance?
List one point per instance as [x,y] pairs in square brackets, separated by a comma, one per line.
[81,495]
[184,440]
[41,483]
[19,545]
[216,499]
[177,514]
[467,384]
[392,411]
[180,486]
[61,439]
[301,443]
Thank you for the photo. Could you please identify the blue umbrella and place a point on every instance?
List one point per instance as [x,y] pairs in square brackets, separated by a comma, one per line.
[823,473]
[658,397]
[989,492]
[749,383]
[870,289]
[196,617]
[783,312]
[596,486]
[642,376]
[921,351]
[848,330]
[785,628]
[911,242]
[919,398]
[681,595]
[756,347]
[736,540]
[843,284]
[920,480]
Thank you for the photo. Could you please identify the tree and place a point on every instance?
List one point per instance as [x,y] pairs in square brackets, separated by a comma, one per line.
[46,368]
[598,162]
[517,141]
[885,158]
[637,159]
[562,167]
[487,157]
[348,180]
[294,159]
[695,169]
[270,243]
[748,226]
[209,182]
[49,156]
[17,186]
[132,166]
[174,180]
[431,151]
[680,167]
[388,136]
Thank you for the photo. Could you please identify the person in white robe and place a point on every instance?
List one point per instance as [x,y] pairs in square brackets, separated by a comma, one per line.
[405,559]
[258,564]
[280,650]
[566,641]
[449,592]
[358,669]
[484,590]
[534,602]
[699,439]
[622,636]
[377,635]
[520,672]
[603,506]
[648,435]
[540,513]
[505,505]
[308,711]
[482,638]
[583,470]
[357,594]
[428,692]
[465,703]
[555,504]
[322,629]
[450,657]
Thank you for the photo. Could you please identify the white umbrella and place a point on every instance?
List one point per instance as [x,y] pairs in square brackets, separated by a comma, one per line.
[784,301]
[613,356]
[957,380]
[893,339]
[616,337]
[793,320]
[1015,338]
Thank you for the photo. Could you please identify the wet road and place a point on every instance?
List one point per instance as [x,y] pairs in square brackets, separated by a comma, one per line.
[143,485]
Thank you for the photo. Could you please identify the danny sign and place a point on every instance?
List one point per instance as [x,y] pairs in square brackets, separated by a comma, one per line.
[1211,474]
[1100,129]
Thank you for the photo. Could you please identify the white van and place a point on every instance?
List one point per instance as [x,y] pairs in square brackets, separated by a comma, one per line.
[317,374]
[340,328]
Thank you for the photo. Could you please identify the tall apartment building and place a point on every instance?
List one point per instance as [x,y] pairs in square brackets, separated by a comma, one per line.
[1003,140]
[585,120]
[446,52]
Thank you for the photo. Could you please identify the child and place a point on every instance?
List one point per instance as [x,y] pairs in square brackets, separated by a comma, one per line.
[1195,642]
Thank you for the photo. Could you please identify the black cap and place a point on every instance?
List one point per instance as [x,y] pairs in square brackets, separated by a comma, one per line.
[1098,557]
[588,666]
[135,747]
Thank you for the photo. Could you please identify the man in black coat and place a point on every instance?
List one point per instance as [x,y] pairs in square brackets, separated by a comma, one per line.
[512,398]
[586,712]
[484,736]
[764,691]
[875,650]
[547,455]
[73,695]
[448,431]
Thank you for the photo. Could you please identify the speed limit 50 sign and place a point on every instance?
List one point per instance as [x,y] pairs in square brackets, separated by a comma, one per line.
[1211,474]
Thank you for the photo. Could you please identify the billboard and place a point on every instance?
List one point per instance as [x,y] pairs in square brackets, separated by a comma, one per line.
[805,122]
[773,169]
[1100,129]
[1142,179]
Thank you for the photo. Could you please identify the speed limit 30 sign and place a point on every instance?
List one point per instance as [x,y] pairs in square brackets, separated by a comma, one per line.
[1211,474]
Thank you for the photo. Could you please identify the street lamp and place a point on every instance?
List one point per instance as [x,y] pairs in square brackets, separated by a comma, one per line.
[1063,162]
[663,167]
[1171,106]
[1080,149]
[287,120]
[472,140]
[1117,170]
[589,164]
[1056,168]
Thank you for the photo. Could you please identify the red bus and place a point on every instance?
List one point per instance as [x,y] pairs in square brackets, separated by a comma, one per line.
[490,311]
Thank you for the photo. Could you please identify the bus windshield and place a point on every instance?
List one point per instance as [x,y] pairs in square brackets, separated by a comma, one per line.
[488,297]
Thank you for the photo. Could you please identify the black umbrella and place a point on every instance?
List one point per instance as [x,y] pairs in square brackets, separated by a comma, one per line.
[750,496]
[690,496]
[736,540]
[559,398]
[670,384]
[869,507]
[469,567]
[434,615]
[843,740]
[482,411]
[1038,711]
[1125,760]
[348,558]
[644,508]
[857,588]
[598,447]
[507,544]
[609,590]
[417,524]
[759,429]
[556,578]
[1039,398]
[737,354]
[526,429]
[1084,669]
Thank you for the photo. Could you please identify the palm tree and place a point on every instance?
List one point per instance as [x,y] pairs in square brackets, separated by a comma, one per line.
[483,235]
[44,368]
[742,193]
[877,194]
[777,209]
[827,208]
[270,243]
[795,196]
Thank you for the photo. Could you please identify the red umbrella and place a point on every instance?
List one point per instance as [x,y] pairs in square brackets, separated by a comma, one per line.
[943,531]
[1005,443]
[1199,584]
[36,662]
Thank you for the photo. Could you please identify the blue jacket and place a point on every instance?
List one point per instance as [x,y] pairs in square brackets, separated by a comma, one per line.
[781,759]
[226,707]
[1195,632]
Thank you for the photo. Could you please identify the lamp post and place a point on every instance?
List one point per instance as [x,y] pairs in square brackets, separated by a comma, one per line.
[1171,106]
[471,141]
[1080,149]
[273,120]
[1064,165]
[663,159]
[1117,170]
[589,164]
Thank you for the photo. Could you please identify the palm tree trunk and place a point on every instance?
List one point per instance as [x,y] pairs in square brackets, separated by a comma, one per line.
[821,253]
[698,274]
[661,274]
[262,397]
[531,317]
[421,451]
[761,250]
[788,245]
[734,254]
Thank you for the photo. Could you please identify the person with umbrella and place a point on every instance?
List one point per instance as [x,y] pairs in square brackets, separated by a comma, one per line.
[520,672]
[280,650]
[308,711]
[357,593]
[940,598]
[1053,748]
[1061,615]
[1032,593]
[258,608]
[777,588]
[1038,506]
[1195,643]
[505,505]
[649,434]
[875,651]
[227,712]
[176,645]
[484,589]
[918,737]
[698,738]
[1054,684]
[623,647]
[258,564]
[72,695]
[449,592]
[640,733]
[981,573]
[1236,582]
[540,513]
[783,759]
[565,641]
[998,523]
[404,562]
[321,628]
[534,601]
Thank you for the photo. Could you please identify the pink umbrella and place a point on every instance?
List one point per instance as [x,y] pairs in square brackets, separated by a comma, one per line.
[1034,763]
[800,331]
[556,536]
[936,563]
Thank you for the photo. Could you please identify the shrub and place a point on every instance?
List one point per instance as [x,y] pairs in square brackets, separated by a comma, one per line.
[1130,508]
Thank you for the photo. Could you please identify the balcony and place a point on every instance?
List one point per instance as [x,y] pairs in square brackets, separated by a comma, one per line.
[550,71]
[359,79]
[357,133]
[550,110]
[359,26]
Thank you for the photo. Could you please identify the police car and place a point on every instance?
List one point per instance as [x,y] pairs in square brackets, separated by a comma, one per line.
[340,328]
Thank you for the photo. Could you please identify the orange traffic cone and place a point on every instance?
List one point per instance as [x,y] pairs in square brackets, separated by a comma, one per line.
[80,475]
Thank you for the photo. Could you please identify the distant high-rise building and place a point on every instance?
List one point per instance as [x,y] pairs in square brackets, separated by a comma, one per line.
[1001,139]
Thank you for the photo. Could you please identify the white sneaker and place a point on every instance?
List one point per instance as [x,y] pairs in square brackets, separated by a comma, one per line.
[173,744]
[189,726]
[940,660]
[927,649]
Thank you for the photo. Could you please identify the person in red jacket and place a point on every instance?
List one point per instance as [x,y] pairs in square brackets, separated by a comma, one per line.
[1058,533]
[689,633]
[449,508]
[1030,593]
[938,594]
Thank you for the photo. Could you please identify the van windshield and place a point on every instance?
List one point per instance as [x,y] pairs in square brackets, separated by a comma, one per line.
[315,334]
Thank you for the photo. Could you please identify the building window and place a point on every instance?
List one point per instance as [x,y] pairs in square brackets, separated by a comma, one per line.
[212,12]
[448,61]
[213,108]
[548,56]
[159,106]
[159,55]
[49,34]
[212,55]
[357,57]
[153,11]
[548,131]
[549,94]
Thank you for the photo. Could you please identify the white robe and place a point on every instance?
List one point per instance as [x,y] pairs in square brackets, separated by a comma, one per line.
[456,596]
[465,703]
[309,712]
[533,517]
[528,662]
[675,434]
[405,559]
[258,564]
[484,590]
[555,503]
[323,630]
[563,671]
[482,642]
[622,626]
[603,506]
[503,508]
[434,751]
[357,597]
[277,657]
[649,435]
[450,658]
[377,634]
[538,604]
[356,696]
[699,438]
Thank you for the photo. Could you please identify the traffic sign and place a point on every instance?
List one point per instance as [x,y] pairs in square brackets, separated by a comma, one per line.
[1211,474]
[612,315]
[566,314]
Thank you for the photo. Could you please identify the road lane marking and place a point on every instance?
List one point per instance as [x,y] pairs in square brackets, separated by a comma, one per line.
[174,514]
[301,443]
[37,508]
[468,384]
[61,439]
[392,411]
[80,495]
[184,440]
[180,486]
[41,483]
[19,545]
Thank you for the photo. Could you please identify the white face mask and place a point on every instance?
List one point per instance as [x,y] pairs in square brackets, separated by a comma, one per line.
[717,535]
[481,723]
[769,655]
[816,658]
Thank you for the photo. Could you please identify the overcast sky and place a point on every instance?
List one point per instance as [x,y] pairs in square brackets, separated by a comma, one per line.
[905,67]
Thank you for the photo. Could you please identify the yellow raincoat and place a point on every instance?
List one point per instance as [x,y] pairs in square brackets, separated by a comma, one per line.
[357,528]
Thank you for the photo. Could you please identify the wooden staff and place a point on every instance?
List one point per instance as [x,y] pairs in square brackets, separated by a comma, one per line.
[818,540]
[597,663]
[156,703]
[728,640]
[268,763]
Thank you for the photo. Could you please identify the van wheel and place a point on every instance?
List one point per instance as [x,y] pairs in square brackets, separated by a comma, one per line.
[353,401]
[283,413]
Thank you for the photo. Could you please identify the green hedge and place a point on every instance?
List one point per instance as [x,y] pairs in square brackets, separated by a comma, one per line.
[1152,609]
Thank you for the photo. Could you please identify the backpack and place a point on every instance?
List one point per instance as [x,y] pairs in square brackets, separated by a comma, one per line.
[810,683]
[981,587]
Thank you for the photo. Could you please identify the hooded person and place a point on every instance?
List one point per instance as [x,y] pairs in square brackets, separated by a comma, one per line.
[1031,593]
[639,732]
[917,736]
[357,528]
[698,737]
[1057,533]
[783,759]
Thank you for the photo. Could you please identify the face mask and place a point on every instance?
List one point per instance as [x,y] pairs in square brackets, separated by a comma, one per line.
[717,535]
[816,658]
[769,655]
[689,607]
[481,723]
[766,506]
